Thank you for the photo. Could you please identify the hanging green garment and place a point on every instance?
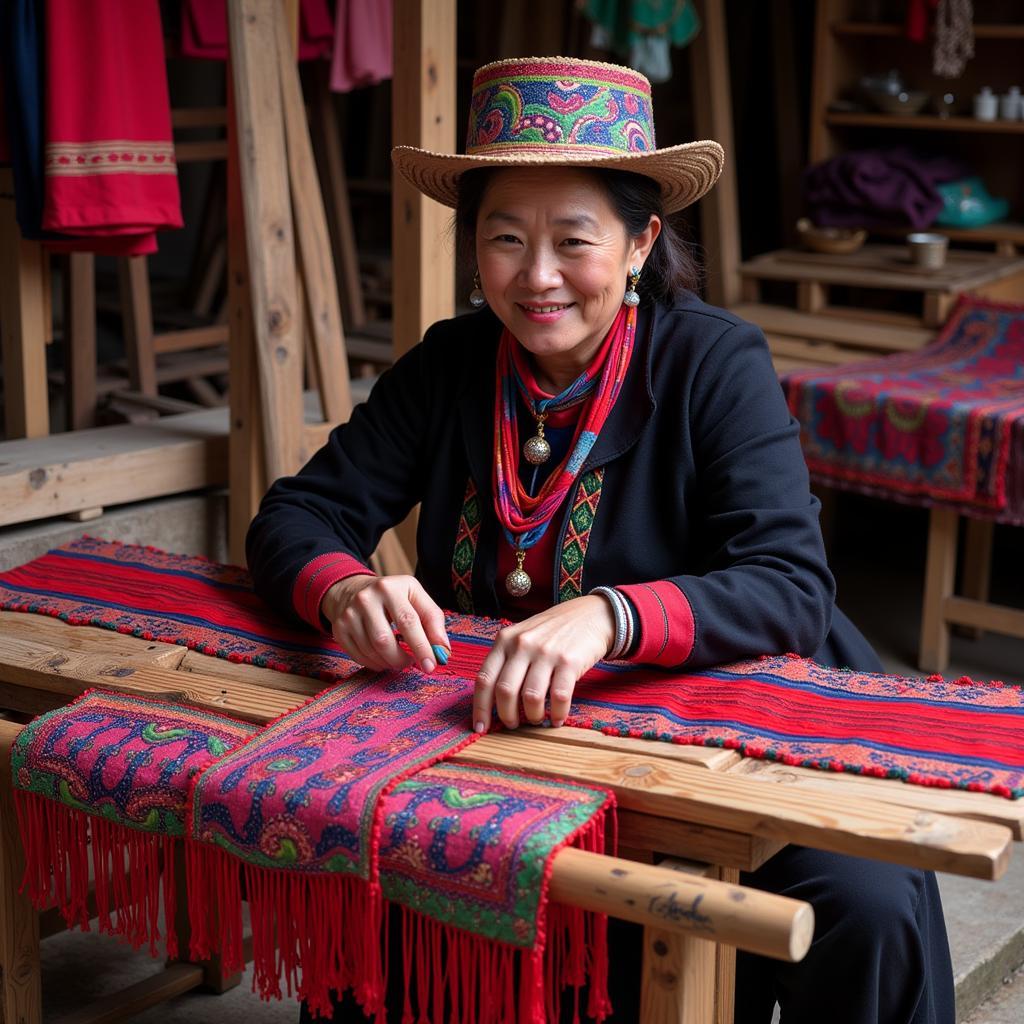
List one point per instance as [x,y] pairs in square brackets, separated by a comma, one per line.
[642,31]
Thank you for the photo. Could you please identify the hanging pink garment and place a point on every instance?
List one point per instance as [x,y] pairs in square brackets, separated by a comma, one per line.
[204,29]
[362,44]
[110,173]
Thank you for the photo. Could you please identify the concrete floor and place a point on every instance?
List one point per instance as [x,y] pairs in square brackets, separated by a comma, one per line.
[878,559]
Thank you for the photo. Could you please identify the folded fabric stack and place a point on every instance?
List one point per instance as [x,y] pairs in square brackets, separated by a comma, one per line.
[944,425]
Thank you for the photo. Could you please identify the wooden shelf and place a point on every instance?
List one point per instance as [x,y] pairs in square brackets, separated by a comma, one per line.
[867,28]
[925,122]
[1000,231]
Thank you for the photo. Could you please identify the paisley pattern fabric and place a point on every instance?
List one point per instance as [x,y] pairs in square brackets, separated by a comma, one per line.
[533,104]
[106,779]
[440,852]
[944,425]
[335,806]
[303,793]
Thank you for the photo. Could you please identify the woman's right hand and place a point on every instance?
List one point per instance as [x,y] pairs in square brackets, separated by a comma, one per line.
[362,609]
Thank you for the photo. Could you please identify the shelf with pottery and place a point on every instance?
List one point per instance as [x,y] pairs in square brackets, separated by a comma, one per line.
[1007,30]
[820,333]
[929,122]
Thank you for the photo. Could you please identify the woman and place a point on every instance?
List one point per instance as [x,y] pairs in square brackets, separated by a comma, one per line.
[607,460]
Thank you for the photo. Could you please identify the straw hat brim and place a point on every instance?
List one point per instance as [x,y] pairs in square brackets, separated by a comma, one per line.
[685,172]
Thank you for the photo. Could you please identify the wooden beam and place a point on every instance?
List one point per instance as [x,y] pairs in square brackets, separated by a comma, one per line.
[423,114]
[719,210]
[253,26]
[317,263]
[51,476]
[80,340]
[856,826]
[23,324]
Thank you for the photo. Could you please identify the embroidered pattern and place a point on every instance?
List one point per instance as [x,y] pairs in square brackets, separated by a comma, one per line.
[535,105]
[464,554]
[959,733]
[113,156]
[942,424]
[577,535]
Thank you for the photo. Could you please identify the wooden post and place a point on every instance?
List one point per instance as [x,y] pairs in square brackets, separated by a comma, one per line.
[940,569]
[977,566]
[23,327]
[246,477]
[21,993]
[713,118]
[80,340]
[423,114]
[137,320]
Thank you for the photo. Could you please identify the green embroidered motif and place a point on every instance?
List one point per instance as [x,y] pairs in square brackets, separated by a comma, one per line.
[577,535]
[464,554]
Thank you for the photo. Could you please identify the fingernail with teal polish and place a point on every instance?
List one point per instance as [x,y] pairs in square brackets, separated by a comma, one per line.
[441,653]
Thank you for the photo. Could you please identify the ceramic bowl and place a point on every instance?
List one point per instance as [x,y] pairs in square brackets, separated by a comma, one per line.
[909,101]
[837,241]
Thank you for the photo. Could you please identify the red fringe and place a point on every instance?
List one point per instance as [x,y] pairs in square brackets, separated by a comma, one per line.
[316,933]
[454,976]
[127,866]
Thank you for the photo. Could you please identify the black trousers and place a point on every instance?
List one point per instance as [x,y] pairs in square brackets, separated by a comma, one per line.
[879,955]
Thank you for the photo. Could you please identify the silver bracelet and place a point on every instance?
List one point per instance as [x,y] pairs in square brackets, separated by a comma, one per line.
[623,621]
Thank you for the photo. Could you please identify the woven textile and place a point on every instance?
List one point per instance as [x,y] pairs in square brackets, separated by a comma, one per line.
[942,425]
[960,734]
[111,773]
[309,806]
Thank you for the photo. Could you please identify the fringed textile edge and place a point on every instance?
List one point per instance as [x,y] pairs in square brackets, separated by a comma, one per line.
[57,841]
[317,933]
[454,977]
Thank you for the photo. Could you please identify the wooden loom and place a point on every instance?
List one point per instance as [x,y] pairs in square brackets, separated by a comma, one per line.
[693,804]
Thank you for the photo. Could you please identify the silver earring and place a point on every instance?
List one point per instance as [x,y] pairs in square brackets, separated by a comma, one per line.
[632,297]
[476,296]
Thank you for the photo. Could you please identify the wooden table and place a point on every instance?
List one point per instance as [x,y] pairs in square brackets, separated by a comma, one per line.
[704,805]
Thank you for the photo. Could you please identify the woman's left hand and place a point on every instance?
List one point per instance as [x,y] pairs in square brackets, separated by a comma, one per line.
[542,656]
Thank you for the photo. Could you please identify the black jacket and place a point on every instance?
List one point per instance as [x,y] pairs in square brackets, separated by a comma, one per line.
[704,485]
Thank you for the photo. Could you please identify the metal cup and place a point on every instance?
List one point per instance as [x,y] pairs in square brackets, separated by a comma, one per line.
[927,250]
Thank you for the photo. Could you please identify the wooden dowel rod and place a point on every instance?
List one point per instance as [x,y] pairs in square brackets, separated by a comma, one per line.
[758,922]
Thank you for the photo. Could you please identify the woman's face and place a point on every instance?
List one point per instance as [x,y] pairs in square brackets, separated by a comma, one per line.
[554,258]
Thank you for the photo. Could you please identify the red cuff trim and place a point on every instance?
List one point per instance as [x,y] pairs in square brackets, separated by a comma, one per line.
[317,577]
[666,622]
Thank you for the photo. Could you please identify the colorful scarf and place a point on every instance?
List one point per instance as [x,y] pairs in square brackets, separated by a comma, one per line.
[960,734]
[942,425]
[525,517]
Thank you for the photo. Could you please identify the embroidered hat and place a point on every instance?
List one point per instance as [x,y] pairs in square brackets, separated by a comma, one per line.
[564,111]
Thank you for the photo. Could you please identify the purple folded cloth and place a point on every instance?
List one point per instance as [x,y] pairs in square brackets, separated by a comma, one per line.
[878,187]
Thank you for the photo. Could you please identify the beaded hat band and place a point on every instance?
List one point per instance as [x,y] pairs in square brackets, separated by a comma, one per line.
[563,111]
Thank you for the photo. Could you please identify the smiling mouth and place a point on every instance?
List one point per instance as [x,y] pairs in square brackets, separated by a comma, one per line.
[544,309]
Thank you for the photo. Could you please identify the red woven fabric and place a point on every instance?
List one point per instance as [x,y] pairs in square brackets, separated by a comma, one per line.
[109,156]
[962,734]
[944,425]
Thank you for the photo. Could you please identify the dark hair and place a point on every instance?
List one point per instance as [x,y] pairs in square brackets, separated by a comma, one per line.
[670,267]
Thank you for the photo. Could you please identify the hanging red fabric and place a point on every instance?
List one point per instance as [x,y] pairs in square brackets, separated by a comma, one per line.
[109,160]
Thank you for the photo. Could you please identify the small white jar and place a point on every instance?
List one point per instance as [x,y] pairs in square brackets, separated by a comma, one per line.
[1010,104]
[986,105]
